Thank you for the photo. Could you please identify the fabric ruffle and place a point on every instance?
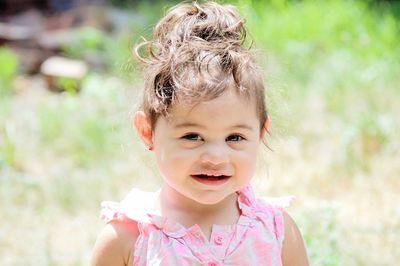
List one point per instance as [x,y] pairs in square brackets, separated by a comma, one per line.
[140,206]
[266,209]
[110,211]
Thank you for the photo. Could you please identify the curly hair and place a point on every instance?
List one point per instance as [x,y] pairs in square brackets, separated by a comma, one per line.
[197,52]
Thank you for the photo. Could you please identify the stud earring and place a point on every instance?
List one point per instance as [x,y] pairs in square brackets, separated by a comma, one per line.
[150,148]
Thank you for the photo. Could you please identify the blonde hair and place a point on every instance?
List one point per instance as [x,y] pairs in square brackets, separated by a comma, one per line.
[197,52]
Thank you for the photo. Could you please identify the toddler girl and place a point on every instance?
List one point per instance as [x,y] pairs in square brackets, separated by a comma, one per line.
[204,117]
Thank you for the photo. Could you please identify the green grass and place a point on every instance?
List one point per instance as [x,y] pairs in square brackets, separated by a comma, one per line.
[322,235]
[78,127]
[8,70]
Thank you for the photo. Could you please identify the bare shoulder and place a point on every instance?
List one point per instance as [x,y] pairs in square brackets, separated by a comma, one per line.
[114,245]
[293,250]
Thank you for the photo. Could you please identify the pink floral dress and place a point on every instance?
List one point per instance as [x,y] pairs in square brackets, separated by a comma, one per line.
[256,239]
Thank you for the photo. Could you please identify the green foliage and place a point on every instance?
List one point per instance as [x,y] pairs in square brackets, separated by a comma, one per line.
[78,130]
[8,157]
[322,235]
[103,52]
[303,32]
[21,189]
[85,40]
[81,137]
[65,193]
[51,123]
[68,85]
[366,137]
[91,140]
[8,70]
[7,150]
[312,27]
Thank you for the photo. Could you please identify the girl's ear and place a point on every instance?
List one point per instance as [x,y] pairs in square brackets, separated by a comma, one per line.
[143,127]
[265,127]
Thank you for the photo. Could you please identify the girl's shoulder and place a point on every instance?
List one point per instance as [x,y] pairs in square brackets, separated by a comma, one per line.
[293,249]
[115,243]
[117,240]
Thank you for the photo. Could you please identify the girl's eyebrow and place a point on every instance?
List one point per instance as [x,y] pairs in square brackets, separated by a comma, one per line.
[242,126]
[190,124]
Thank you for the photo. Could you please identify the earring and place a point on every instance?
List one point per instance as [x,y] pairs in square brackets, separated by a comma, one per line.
[150,148]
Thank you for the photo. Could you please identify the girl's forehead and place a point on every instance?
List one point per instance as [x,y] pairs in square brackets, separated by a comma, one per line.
[229,106]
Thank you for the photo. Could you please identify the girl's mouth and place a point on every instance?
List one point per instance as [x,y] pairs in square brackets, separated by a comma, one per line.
[211,179]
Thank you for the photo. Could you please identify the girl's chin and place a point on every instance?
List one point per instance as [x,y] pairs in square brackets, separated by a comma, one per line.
[210,198]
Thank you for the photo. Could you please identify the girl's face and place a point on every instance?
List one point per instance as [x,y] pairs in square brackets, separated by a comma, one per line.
[206,152]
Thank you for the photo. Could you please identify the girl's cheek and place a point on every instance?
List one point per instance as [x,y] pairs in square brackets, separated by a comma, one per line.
[247,159]
[179,154]
[183,155]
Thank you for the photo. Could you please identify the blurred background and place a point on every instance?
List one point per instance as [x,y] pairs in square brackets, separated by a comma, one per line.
[69,85]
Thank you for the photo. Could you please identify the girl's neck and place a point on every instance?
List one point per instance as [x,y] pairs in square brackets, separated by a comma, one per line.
[187,212]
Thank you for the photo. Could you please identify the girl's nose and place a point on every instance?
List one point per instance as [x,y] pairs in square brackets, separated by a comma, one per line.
[215,154]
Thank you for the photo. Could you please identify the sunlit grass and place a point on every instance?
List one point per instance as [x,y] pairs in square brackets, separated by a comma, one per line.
[8,70]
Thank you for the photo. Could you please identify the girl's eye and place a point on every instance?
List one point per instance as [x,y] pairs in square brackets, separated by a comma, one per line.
[192,137]
[234,138]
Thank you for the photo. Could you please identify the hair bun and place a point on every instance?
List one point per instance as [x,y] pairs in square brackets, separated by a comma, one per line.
[205,27]
[209,22]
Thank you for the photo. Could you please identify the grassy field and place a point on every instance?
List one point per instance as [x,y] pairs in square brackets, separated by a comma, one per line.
[332,71]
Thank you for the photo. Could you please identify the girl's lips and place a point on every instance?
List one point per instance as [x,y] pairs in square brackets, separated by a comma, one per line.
[211,180]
